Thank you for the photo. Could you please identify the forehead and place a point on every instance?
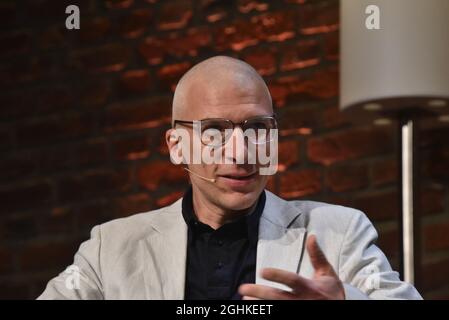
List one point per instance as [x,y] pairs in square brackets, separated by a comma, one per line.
[235,99]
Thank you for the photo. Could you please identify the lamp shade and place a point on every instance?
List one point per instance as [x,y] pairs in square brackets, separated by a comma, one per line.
[402,66]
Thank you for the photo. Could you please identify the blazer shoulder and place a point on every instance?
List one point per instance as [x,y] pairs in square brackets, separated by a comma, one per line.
[138,225]
[327,215]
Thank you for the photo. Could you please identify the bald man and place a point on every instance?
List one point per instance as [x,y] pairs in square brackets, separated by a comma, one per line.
[228,237]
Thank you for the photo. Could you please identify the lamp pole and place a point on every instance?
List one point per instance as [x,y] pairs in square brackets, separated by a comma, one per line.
[409,215]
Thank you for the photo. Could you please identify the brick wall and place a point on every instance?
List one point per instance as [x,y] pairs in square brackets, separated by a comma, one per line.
[82,117]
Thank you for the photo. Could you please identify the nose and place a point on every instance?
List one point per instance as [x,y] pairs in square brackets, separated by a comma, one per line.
[236,148]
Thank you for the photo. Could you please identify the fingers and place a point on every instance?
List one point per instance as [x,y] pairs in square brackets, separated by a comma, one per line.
[318,259]
[258,291]
[290,279]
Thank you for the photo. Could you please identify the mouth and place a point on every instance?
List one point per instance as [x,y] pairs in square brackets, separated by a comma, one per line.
[239,181]
[239,176]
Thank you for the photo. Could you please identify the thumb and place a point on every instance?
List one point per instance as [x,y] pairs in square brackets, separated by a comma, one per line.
[319,261]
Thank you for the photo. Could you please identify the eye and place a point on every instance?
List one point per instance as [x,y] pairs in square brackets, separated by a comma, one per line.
[257,125]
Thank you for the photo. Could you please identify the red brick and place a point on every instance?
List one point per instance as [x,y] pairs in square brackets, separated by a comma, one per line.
[6,257]
[60,221]
[332,46]
[384,172]
[263,60]
[275,26]
[436,236]
[271,184]
[52,38]
[14,290]
[174,15]
[379,205]
[213,10]
[25,197]
[432,199]
[319,17]
[94,213]
[295,184]
[347,177]
[434,137]
[311,87]
[246,6]
[8,14]
[17,43]
[237,36]
[169,75]
[53,11]
[53,130]
[139,114]
[288,154]
[54,159]
[436,163]
[49,255]
[119,4]
[132,204]
[169,199]
[5,139]
[298,120]
[93,184]
[154,50]
[17,166]
[350,144]
[107,58]
[22,69]
[154,175]
[442,294]
[135,81]
[39,101]
[132,148]
[334,118]
[90,152]
[93,30]
[388,242]
[436,274]
[95,93]
[300,55]
[133,24]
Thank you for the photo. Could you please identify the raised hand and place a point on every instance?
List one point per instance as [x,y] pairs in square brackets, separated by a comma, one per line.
[325,284]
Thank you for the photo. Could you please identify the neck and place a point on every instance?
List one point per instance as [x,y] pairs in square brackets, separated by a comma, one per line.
[213,215]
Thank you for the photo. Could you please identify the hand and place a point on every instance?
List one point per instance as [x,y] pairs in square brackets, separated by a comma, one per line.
[325,284]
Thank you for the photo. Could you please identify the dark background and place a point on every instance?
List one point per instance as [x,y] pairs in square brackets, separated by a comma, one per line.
[83,113]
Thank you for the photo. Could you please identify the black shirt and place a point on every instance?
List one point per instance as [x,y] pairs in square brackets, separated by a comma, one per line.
[219,261]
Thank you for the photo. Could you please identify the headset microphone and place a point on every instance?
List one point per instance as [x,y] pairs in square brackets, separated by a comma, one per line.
[199,176]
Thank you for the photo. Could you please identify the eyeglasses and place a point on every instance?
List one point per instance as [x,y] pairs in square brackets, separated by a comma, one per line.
[217,131]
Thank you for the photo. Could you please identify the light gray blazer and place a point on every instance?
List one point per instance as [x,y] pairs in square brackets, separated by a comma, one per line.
[144,256]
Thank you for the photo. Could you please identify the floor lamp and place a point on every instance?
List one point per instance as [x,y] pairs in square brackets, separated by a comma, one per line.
[395,71]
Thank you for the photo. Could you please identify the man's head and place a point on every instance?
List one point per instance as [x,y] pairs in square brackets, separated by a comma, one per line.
[223,87]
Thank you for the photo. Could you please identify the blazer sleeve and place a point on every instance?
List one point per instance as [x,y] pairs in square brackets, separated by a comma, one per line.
[81,280]
[363,267]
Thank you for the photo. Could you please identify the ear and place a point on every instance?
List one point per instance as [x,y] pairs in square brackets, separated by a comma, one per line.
[174,146]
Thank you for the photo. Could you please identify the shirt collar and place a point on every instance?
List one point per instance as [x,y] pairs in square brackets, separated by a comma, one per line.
[251,220]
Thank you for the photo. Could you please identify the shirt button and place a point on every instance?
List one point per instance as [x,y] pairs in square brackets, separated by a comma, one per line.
[220,242]
[220,265]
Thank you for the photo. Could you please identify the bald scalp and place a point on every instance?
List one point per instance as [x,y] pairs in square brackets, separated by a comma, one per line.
[212,75]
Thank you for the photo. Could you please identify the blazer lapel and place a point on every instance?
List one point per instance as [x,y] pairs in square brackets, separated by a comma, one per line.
[164,254]
[280,244]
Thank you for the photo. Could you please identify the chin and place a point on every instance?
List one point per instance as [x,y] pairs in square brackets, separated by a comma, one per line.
[238,200]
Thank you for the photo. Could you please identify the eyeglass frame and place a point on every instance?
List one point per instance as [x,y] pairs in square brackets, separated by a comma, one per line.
[240,124]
